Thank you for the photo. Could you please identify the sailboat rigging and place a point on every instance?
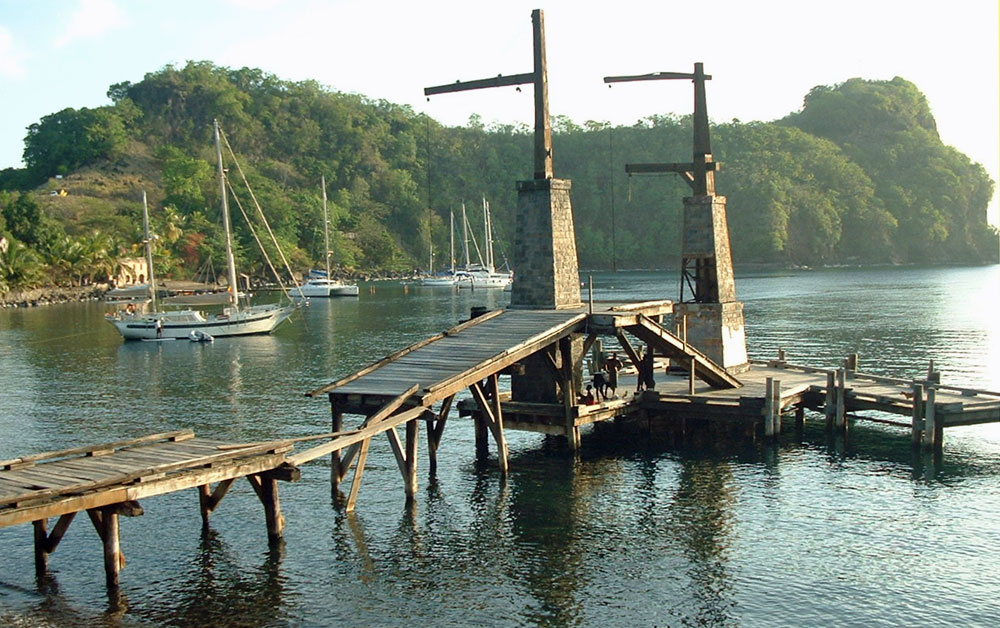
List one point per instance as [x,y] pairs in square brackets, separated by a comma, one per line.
[447,279]
[319,283]
[484,274]
[234,320]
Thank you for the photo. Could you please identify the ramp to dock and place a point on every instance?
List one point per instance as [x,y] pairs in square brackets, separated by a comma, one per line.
[676,349]
[451,361]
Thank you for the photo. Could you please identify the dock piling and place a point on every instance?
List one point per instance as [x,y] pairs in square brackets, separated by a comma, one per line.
[829,405]
[917,418]
[840,419]
[932,430]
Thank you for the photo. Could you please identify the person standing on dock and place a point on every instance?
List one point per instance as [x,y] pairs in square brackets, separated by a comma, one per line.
[613,365]
[644,378]
[159,328]
[600,385]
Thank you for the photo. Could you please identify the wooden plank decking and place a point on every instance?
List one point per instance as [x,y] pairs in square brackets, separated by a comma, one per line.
[107,480]
[450,361]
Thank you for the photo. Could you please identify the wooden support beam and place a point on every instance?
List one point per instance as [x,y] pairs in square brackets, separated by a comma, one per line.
[769,407]
[800,417]
[840,418]
[917,417]
[336,425]
[209,499]
[410,471]
[266,487]
[497,81]
[358,435]
[931,420]
[587,344]
[489,410]
[830,402]
[105,521]
[435,429]
[359,470]
[569,393]
[629,350]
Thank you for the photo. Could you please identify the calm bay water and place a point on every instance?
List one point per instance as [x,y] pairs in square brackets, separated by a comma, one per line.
[633,532]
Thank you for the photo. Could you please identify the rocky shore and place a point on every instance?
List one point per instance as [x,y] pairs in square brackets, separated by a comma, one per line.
[52,294]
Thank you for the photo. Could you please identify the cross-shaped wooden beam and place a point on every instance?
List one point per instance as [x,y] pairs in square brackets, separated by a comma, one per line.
[700,172]
[539,77]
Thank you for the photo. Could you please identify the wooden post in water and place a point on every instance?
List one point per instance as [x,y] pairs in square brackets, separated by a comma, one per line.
[569,393]
[917,417]
[841,416]
[829,406]
[931,430]
[768,406]
[776,407]
[800,417]
[336,425]
[105,521]
[113,558]
[410,479]
[482,442]
[41,550]
[266,487]
[435,429]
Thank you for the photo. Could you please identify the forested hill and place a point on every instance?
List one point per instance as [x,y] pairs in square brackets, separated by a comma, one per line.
[859,175]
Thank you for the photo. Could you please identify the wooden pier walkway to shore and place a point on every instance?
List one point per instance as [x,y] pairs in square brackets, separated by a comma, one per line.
[108,480]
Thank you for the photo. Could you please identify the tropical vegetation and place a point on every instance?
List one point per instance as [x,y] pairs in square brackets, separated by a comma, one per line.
[858,175]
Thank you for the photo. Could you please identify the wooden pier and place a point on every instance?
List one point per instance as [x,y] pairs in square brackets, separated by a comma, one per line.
[420,382]
[108,480]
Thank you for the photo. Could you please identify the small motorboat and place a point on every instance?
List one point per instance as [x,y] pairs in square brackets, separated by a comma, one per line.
[197,335]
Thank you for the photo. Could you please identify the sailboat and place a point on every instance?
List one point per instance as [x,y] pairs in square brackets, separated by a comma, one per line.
[234,320]
[484,274]
[448,279]
[319,283]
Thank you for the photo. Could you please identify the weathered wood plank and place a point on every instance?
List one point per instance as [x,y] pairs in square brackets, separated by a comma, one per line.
[76,451]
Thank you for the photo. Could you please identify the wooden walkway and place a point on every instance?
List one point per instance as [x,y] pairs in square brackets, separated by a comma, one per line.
[774,388]
[402,388]
[448,362]
[107,480]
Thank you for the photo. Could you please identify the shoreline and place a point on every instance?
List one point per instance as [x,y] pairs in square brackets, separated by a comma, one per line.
[50,295]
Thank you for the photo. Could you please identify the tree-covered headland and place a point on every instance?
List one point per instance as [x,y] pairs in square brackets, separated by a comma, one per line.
[859,175]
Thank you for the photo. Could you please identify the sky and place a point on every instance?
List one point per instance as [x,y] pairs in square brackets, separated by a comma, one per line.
[764,55]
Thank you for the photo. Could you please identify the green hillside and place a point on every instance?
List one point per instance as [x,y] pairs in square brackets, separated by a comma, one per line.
[859,175]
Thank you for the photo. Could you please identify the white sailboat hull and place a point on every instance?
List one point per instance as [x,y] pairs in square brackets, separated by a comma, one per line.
[485,279]
[323,288]
[259,319]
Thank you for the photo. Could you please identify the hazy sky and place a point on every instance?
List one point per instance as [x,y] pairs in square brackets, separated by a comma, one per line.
[764,55]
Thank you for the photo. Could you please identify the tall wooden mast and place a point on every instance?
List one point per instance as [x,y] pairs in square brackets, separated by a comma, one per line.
[539,78]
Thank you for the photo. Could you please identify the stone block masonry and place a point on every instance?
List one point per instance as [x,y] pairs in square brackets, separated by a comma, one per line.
[546,269]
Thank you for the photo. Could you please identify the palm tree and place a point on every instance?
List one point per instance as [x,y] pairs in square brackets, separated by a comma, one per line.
[19,268]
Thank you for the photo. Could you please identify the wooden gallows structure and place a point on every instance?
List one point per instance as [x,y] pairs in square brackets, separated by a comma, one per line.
[714,318]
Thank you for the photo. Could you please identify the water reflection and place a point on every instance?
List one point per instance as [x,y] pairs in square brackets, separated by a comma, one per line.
[218,591]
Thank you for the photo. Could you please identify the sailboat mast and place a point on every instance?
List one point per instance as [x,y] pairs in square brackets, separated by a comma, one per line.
[148,238]
[452,218]
[465,236]
[486,234]
[230,261]
[326,228]
[489,219]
